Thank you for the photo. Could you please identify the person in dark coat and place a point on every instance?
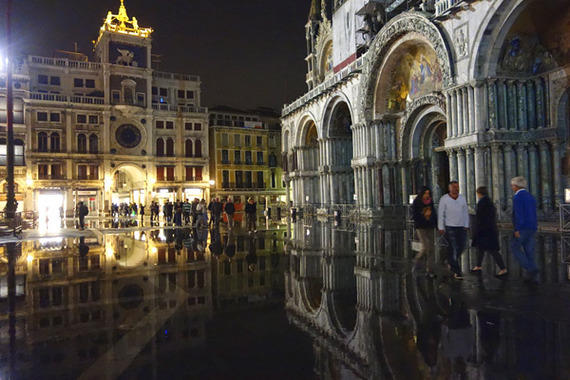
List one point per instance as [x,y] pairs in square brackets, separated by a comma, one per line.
[251,215]
[486,233]
[425,221]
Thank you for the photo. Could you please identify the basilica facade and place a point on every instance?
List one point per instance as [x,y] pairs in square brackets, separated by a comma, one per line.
[400,97]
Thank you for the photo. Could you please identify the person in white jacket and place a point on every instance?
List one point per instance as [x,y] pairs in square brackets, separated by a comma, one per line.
[453,222]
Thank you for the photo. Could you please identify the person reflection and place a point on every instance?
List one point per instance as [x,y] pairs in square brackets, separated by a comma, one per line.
[83,248]
[251,257]
[457,338]
[230,249]
[429,333]
[216,242]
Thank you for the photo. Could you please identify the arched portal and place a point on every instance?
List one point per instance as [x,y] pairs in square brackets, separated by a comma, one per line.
[337,177]
[308,161]
[423,152]
[129,185]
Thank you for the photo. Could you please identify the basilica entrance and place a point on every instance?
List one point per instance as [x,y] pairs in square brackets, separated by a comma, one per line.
[337,183]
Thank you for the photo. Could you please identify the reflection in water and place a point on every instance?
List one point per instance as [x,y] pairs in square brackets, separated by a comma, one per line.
[134,304]
[410,326]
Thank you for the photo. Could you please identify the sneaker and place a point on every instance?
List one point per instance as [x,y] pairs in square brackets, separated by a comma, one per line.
[458,276]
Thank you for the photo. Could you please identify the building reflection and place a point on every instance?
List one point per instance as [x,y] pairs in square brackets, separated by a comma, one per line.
[350,287]
[102,301]
[247,270]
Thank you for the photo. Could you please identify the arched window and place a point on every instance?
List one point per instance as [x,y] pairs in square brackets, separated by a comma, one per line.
[170,148]
[198,148]
[159,147]
[93,143]
[55,145]
[81,143]
[42,142]
[188,148]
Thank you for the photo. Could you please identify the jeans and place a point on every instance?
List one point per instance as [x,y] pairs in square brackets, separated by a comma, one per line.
[523,250]
[426,236]
[456,238]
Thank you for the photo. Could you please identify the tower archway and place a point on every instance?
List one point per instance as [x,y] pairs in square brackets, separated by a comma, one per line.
[129,184]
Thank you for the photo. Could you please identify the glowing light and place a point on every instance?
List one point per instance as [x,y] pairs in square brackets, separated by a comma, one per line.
[154,250]
[30,258]
[108,182]
[29,181]
[212,182]
[151,180]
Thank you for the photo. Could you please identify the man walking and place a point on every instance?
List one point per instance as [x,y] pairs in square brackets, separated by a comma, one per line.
[83,211]
[525,225]
[453,221]
[230,210]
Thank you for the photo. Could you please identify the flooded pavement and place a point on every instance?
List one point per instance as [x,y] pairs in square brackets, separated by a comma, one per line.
[306,300]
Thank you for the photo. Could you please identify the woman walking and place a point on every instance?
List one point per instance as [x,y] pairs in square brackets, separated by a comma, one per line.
[425,221]
[486,233]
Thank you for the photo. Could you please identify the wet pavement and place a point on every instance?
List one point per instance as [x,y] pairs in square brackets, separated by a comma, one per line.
[304,300]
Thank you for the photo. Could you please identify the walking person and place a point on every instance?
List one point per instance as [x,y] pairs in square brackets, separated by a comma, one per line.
[486,233]
[216,212]
[525,225]
[251,215]
[230,210]
[186,210]
[453,222]
[83,211]
[425,221]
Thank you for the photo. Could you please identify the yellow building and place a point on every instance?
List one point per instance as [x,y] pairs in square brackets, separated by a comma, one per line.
[245,159]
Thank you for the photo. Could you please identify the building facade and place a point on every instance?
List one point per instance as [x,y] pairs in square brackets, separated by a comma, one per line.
[246,156]
[405,94]
[108,131]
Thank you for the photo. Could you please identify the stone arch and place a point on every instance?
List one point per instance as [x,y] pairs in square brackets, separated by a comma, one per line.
[335,103]
[303,128]
[421,139]
[490,40]
[415,24]
[127,177]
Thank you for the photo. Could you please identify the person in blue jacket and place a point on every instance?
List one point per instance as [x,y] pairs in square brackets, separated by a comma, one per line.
[525,226]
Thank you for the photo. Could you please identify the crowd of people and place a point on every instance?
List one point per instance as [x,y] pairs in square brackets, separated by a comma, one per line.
[452,222]
[196,212]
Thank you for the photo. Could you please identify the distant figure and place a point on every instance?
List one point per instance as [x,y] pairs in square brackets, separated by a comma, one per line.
[230,210]
[216,212]
[251,215]
[486,233]
[525,224]
[425,220]
[453,221]
[83,211]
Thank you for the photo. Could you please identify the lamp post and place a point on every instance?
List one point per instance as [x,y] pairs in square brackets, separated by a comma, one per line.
[11,206]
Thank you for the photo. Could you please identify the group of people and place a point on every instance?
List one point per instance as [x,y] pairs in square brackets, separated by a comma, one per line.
[196,213]
[452,223]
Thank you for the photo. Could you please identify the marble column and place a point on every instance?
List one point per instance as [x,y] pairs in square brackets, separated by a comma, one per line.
[404,170]
[461,171]
[460,110]
[492,103]
[545,174]
[496,172]
[453,174]
[471,115]
[448,114]
[480,167]
[509,167]
[471,200]
[466,107]
[521,107]
[533,178]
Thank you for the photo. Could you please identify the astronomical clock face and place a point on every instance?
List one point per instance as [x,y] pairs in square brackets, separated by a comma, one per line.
[128,136]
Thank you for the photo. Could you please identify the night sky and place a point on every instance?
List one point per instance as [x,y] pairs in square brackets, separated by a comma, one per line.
[248,53]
